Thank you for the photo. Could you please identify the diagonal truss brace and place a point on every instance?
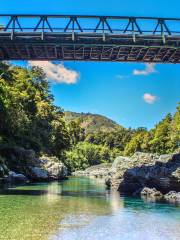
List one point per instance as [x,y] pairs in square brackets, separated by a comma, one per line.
[105,26]
[72,22]
[43,24]
[134,28]
[163,29]
[13,25]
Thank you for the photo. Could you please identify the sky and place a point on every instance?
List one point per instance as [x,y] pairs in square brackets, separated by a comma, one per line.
[132,94]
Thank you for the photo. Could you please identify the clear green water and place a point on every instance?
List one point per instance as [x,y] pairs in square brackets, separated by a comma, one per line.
[82,209]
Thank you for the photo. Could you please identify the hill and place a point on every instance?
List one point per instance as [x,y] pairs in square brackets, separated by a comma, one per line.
[92,122]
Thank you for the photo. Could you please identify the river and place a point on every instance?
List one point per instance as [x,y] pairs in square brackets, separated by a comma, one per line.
[82,209]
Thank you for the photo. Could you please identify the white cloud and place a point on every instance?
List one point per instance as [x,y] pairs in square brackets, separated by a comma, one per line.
[57,72]
[149,98]
[149,69]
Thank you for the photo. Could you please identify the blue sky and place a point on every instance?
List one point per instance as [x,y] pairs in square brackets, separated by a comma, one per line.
[129,93]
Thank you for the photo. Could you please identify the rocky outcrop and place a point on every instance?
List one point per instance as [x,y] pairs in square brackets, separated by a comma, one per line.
[47,168]
[129,175]
[97,171]
[25,162]
[15,178]
[4,171]
[152,193]
[173,197]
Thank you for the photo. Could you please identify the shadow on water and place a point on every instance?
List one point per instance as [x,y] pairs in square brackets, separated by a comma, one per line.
[74,187]
[17,192]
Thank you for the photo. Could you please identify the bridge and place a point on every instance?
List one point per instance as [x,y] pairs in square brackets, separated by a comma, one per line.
[89,38]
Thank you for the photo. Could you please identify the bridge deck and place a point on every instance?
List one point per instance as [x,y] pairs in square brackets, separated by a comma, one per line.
[75,41]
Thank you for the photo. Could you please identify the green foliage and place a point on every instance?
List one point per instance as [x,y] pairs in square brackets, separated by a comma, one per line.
[115,139]
[138,143]
[28,117]
[91,122]
[76,132]
[85,154]
[176,128]
[162,139]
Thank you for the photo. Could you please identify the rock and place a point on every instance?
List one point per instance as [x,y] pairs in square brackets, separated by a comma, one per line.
[97,171]
[55,169]
[108,181]
[4,171]
[151,193]
[47,168]
[34,168]
[38,174]
[16,178]
[79,173]
[120,167]
[129,174]
[17,156]
[173,197]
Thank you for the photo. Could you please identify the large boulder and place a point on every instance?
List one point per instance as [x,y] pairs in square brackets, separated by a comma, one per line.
[54,168]
[173,197]
[46,168]
[15,178]
[151,193]
[35,168]
[37,173]
[122,164]
[4,171]
[131,174]
[17,156]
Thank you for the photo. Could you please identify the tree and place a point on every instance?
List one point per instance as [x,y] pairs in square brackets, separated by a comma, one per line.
[76,132]
[162,139]
[85,154]
[138,143]
[28,117]
[176,128]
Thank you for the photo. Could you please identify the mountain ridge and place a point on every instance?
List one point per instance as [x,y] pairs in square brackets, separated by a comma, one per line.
[92,122]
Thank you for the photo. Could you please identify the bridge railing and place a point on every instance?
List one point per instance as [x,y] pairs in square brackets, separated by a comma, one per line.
[104,25]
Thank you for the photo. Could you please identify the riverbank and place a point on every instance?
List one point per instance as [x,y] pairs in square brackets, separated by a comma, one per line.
[151,176]
[18,165]
[97,171]
[145,175]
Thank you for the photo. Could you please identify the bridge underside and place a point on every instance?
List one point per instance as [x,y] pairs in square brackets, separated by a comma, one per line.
[89,47]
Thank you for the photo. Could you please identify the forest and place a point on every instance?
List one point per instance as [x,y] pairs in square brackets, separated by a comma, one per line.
[29,119]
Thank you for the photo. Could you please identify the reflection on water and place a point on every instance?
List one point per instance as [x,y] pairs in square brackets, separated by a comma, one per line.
[80,209]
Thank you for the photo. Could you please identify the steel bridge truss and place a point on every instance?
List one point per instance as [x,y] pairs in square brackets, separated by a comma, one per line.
[89,38]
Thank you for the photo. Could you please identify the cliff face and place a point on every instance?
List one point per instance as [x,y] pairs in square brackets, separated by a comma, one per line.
[131,175]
